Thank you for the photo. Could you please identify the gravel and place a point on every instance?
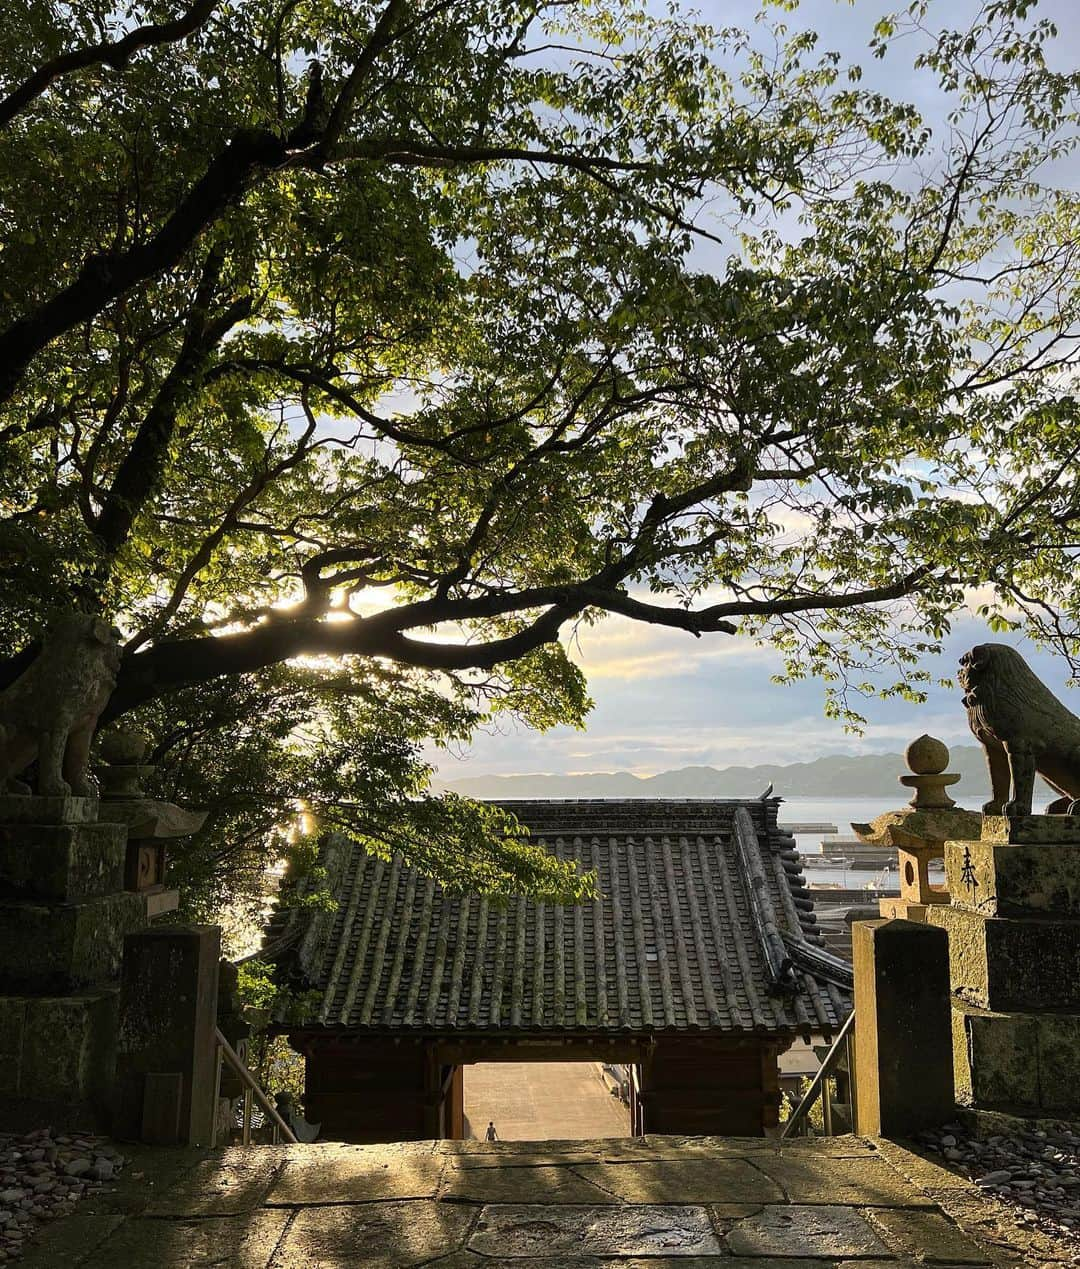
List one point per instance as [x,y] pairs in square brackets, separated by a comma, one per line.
[1036,1173]
[43,1175]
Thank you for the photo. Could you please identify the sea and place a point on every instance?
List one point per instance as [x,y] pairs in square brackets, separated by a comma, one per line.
[841,812]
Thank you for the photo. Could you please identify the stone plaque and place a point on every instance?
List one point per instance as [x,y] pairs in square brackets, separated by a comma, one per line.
[536,1231]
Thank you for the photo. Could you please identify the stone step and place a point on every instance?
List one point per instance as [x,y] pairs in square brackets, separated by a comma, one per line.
[659,1201]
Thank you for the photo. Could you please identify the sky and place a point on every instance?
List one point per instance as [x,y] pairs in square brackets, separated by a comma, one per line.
[665,700]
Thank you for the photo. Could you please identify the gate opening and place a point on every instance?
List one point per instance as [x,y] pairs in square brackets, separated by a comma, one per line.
[538,1101]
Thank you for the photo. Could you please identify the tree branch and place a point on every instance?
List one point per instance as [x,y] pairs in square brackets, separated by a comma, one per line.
[905,585]
[412,152]
[696,623]
[177,663]
[116,54]
[105,277]
[228,522]
[172,664]
[381,37]
[144,461]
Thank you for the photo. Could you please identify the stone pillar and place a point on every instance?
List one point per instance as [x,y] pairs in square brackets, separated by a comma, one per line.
[63,918]
[903,1057]
[166,1061]
[1014,948]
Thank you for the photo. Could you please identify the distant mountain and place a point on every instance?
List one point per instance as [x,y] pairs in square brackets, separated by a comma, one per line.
[838,775]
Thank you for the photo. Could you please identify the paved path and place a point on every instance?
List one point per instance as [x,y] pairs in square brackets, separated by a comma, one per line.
[542,1101]
[646,1203]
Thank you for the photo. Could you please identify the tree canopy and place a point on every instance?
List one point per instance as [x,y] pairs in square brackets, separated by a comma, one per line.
[352,353]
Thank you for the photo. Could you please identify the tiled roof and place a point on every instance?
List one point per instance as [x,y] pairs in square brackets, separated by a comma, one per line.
[704,925]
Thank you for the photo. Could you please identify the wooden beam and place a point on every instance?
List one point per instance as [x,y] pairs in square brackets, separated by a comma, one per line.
[467,1052]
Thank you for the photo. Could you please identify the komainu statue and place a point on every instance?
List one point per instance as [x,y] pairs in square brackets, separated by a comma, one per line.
[1024,729]
[50,711]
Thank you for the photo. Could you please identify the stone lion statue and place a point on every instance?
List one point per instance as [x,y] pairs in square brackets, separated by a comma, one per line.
[1024,729]
[50,711]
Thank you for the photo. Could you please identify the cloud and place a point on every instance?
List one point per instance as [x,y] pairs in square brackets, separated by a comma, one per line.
[620,648]
[696,703]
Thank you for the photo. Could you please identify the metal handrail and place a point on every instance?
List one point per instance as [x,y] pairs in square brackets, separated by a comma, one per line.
[226,1052]
[842,1048]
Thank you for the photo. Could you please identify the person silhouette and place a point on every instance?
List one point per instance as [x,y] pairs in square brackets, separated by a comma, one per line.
[491,1134]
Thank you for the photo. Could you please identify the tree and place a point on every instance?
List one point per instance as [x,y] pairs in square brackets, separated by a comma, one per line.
[351,354]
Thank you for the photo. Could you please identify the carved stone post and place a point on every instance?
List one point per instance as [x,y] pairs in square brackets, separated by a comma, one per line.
[166,1065]
[903,1047]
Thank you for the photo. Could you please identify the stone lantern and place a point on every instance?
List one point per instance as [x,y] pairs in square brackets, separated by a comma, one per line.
[150,822]
[919,831]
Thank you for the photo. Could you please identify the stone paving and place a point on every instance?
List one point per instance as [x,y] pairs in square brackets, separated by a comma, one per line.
[645,1203]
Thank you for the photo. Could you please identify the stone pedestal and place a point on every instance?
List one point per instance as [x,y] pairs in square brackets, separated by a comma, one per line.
[63,919]
[903,1060]
[61,863]
[1014,957]
[1023,879]
[57,947]
[57,1058]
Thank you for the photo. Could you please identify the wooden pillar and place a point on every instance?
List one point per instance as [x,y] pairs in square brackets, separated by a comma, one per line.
[365,1092]
[637,1110]
[770,1088]
[433,1093]
[444,1098]
[455,1105]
